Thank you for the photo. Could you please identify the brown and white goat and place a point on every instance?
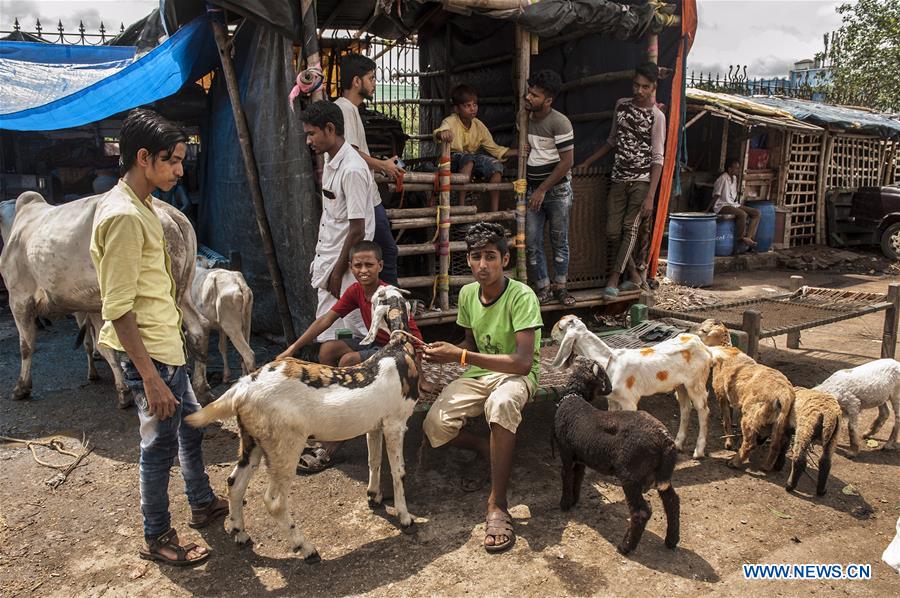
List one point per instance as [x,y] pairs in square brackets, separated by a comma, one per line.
[763,395]
[284,403]
[680,364]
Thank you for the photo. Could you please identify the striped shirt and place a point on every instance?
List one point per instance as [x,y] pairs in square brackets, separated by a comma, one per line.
[547,137]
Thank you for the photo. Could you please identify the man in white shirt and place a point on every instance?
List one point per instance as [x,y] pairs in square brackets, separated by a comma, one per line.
[348,211]
[725,194]
[358,85]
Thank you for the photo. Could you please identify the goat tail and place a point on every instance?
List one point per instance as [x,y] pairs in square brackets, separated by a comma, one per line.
[780,428]
[222,408]
[82,334]
[831,424]
[666,467]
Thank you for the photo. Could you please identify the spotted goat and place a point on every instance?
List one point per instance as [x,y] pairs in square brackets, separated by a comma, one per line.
[680,364]
[288,401]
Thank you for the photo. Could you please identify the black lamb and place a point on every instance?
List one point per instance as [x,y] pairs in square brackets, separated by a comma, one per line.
[634,446]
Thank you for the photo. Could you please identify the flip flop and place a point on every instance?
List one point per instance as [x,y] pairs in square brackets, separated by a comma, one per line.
[628,286]
[499,523]
[611,292]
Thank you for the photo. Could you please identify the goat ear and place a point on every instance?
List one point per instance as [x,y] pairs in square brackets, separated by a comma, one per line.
[403,292]
[605,386]
[566,347]
[378,316]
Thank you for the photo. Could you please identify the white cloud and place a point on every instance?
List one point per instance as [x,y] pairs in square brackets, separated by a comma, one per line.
[70,12]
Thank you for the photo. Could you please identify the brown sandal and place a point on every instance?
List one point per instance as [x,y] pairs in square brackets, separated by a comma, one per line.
[499,523]
[202,517]
[169,540]
[544,295]
[563,295]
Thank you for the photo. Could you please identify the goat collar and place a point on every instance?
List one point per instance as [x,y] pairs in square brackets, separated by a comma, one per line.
[410,337]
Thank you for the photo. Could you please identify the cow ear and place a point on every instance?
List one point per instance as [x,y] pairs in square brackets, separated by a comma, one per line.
[378,315]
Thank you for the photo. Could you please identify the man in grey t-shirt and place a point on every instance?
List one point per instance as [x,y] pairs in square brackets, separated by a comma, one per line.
[549,192]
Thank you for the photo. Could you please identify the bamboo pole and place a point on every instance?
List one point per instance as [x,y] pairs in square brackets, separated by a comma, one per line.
[421,212]
[417,282]
[523,66]
[444,217]
[404,223]
[592,116]
[422,177]
[250,167]
[889,333]
[625,75]
[427,248]
[476,187]
[311,42]
[793,338]
[820,190]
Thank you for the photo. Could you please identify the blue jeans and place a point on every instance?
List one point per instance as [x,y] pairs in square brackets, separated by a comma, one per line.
[484,168]
[385,240]
[555,210]
[161,441]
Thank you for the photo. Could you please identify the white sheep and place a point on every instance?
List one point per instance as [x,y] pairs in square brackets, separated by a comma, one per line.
[680,364]
[288,401]
[870,385]
[223,298]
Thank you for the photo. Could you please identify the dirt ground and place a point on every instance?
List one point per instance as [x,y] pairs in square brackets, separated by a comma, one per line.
[82,538]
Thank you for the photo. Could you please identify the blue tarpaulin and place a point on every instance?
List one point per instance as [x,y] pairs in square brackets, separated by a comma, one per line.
[823,115]
[49,86]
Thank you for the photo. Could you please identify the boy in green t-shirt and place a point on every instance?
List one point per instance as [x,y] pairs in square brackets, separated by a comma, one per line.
[502,318]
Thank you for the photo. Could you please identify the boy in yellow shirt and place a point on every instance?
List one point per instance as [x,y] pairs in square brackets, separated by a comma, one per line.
[469,138]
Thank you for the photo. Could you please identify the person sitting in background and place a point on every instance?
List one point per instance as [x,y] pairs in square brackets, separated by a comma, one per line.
[472,147]
[725,194]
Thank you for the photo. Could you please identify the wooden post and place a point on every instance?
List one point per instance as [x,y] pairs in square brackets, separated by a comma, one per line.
[443,276]
[311,42]
[793,338]
[262,221]
[751,325]
[745,158]
[723,150]
[523,48]
[820,190]
[889,337]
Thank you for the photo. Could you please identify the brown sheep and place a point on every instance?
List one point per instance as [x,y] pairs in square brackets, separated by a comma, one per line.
[763,395]
[816,417]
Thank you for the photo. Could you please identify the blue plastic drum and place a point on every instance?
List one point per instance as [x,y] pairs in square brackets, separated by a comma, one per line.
[725,234]
[692,248]
[765,234]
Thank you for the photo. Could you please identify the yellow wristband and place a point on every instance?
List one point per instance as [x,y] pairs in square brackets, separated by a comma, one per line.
[462,358]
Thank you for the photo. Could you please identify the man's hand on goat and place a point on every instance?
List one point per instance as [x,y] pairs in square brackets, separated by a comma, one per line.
[441,352]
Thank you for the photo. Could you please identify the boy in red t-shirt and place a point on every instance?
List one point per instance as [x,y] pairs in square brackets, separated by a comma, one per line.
[366,265]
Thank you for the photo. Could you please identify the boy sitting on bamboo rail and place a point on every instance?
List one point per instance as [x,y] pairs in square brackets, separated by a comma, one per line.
[469,138]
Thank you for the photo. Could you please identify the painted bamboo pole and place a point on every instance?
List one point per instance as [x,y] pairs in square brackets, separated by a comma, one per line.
[252,173]
[311,42]
[442,282]
[523,48]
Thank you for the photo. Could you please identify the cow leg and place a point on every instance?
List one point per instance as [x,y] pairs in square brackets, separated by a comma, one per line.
[223,350]
[83,320]
[23,314]
[123,396]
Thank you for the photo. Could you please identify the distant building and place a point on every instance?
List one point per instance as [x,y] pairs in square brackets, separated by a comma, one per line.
[812,73]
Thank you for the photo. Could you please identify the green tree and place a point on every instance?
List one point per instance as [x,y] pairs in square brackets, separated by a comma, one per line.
[865,55]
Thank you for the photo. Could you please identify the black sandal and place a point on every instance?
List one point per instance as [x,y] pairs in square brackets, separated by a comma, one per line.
[170,540]
[314,460]
[544,295]
[203,516]
[563,295]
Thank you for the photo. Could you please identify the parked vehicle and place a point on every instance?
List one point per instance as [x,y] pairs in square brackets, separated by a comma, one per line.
[866,216]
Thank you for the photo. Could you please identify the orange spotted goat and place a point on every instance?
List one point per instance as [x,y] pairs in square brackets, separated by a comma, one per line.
[680,364]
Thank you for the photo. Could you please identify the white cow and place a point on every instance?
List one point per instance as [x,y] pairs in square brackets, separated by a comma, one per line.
[47,268]
[226,302]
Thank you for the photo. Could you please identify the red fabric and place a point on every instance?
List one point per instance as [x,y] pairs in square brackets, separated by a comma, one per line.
[355,298]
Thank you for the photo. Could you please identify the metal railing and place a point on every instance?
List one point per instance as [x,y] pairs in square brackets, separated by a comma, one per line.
[736,81]
[60,36]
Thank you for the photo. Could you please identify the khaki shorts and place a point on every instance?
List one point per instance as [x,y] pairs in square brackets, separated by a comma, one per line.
[500,397]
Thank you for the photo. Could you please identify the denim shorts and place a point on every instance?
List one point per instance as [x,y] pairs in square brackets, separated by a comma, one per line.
[485,166]
[365,351]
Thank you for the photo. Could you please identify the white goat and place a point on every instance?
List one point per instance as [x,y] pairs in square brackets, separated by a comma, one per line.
[281,405]
[224,299]
[680,364]
[870,385]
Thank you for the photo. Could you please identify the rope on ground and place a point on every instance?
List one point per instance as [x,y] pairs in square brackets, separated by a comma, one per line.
[55,444]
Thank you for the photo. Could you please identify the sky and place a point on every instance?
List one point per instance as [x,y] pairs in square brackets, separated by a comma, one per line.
[766,35]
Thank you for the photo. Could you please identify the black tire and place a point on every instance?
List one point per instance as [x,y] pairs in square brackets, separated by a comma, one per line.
[890,241]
